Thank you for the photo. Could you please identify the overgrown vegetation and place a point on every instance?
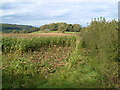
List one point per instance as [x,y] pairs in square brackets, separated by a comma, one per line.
[100,41]
[89,60]
[32,57]
[94,62]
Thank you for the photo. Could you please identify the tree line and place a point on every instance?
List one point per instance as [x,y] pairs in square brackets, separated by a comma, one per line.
[60,27]
[14,28]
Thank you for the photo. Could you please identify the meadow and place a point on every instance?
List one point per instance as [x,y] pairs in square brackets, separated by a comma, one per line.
[88,59]
[54,32]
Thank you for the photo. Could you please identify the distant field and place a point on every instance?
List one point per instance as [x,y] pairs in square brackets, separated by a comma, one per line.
[54,32]
[38,35]
[51,34]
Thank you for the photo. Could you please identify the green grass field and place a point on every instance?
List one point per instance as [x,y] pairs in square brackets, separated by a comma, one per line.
[54,32]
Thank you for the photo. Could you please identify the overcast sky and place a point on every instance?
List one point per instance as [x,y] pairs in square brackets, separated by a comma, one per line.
[40,12]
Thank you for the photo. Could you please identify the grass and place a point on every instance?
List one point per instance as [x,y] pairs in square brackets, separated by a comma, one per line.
[46,32]
[86,61]
[54,32]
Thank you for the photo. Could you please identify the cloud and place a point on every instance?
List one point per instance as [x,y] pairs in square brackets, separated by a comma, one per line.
[11,1]
[58,12]
[39,12]
[2,13]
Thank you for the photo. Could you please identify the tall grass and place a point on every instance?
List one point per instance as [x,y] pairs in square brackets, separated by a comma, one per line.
[10,44]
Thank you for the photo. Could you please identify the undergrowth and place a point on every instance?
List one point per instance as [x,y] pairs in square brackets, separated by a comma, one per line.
[89,60]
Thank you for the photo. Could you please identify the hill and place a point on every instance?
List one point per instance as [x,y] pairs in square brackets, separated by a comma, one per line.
[8,28]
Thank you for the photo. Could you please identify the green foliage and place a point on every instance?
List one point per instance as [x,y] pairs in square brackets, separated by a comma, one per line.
[46,62]
[32,69]
[42,28]
[77,27]
[53,27]
[61,27]
[100,41]
[93,63]
[70,28]
[34,43]
[14,28]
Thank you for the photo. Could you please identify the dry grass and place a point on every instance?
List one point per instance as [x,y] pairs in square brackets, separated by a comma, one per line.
[37,35]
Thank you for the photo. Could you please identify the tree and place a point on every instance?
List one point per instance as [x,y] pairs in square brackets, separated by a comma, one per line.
[23,31]
[14,31]
[42,28]
[34,29]
[53,27]
[62,28]
[70,27]
[76,27]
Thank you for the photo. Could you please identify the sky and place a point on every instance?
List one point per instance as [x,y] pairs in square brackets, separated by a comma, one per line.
[40,12]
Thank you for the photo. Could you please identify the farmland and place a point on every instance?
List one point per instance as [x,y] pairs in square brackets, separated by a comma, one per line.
[88,59]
